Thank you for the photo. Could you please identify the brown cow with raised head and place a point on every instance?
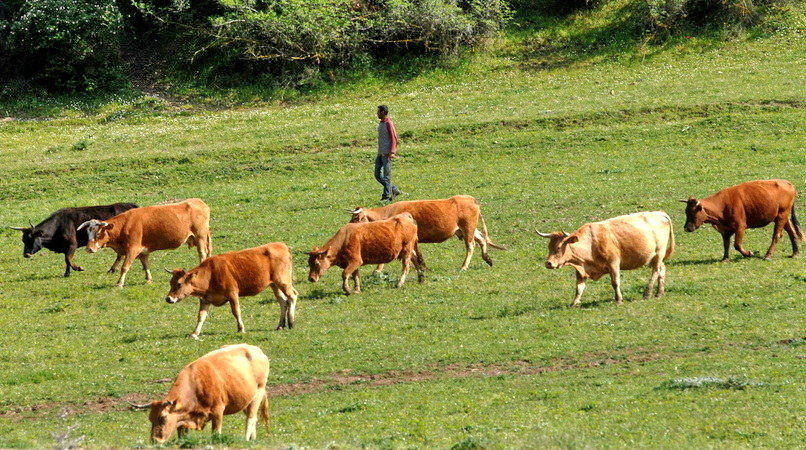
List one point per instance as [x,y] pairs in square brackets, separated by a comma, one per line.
[379,242]
[226,277]
[225,381]
[610,246]
[438,221]
[136,233]
[753,204]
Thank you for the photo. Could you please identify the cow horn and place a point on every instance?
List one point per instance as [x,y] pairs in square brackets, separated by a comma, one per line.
[564,233]
[136,406]
[85,225]
[357,211]
[683,200]
[19,228]
[169,271]
[543,235]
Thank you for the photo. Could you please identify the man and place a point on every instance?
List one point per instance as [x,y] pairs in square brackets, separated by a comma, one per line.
[387,151]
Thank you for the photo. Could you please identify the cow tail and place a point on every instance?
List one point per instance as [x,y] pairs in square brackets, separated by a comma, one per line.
[487,236]
[264,411]
[670,249]
[796,223]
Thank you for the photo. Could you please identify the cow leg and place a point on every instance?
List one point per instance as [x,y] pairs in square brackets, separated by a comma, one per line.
[653,278]
[470,245]
[737,243]
[793,237]
[235,306]
[406,260]
[251,414]
[283,301]
[115,264]
[203,307]
[217,419]
[661,280]
[726,245]
[68,261]
[144,260]
[346,274]
[615,281]
[777,231]
[580,288]
[485,254]
[127,264]
[357,281]
[291,294]
[378,269]
[419,264]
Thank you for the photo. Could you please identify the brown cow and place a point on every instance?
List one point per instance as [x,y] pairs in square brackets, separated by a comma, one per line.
[379,242]
[438,221]
[608,247]
[225,381]
[753,204]
[227,277]
[138,232]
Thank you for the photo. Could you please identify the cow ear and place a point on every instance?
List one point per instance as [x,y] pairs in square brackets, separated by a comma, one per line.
[571,239]
[323,252]
[168,403]
[107,225]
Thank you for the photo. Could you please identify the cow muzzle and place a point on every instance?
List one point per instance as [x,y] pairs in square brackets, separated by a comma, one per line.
[171,300]
[551,265]
[313,278]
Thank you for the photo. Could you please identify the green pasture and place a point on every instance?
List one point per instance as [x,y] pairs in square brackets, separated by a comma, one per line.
[491,357]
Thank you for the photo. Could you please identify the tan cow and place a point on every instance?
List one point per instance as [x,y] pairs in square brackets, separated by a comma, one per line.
[610,246]
[225,381]
[136,233]
[226,277]
[753,204]
[438,221]
[379,242]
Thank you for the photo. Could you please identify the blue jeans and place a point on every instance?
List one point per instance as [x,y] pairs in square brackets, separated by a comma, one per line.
[383,173]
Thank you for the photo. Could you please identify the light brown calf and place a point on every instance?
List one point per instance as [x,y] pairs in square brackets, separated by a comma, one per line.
[225,381]
[610,246]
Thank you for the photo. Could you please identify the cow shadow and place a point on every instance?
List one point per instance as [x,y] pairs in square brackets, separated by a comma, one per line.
[703,262]
[585,305]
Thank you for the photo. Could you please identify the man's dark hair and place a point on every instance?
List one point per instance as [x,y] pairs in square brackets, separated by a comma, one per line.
[384,109]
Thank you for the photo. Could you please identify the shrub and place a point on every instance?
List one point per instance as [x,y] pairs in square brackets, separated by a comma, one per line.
[66,44]
[668,16]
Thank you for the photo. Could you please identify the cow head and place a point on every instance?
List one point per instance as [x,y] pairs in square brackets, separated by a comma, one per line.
[33,240]
[318,262]
[359,215]
[695,214]
[559,248]
[181,285]
[98,234]
[167,415]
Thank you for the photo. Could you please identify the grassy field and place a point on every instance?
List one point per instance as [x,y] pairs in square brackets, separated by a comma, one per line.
[486,358]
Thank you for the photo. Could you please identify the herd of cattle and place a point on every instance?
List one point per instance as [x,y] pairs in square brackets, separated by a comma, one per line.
[233,378]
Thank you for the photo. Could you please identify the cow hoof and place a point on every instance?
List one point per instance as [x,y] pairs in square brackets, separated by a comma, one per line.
[725,260]
[574,305]
[111,271]
[67,274]
[119,286]
[78,269]
[768,257]
[149,281]
[195,337]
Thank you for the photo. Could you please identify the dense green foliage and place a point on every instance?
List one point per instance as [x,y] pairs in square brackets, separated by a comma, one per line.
[491,357]
[300,45]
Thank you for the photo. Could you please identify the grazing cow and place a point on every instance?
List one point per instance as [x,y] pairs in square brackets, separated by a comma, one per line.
[225,381]
[753,204]
[138,232]
[438,221]
[227,277]
[58,232]
[610,246]
[379,242]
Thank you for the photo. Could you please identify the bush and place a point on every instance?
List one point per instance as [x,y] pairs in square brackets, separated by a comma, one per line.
[66,44]
[669,16]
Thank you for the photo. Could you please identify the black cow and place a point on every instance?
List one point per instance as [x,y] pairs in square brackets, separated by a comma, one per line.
[58,232]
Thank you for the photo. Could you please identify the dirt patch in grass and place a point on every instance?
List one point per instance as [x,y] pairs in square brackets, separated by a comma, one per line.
[347,380]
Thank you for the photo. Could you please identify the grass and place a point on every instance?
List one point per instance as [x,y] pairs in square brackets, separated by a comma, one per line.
[487,358]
